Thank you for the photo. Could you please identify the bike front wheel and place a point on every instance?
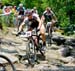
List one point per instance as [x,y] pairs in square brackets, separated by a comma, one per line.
[31,51]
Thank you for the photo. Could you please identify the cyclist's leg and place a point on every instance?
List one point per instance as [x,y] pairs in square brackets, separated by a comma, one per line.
[43,38]
[48,26]
[42,32]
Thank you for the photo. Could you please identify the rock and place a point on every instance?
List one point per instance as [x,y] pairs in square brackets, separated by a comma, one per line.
[52,54]
[42,67]
[70,42]
[14,32]
[20,67]
[8,49]
[44,62]
[53,47]
[69,59]
[65,51]
[59,40]
[73,52]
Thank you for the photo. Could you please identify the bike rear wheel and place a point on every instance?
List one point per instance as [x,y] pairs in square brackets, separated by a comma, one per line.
[50,36]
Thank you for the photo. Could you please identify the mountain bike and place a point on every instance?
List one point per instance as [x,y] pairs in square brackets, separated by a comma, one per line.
[19,21]
[49,30]
[33,46]
[3,67]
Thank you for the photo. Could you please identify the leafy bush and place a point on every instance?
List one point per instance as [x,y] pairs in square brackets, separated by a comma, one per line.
[0,11]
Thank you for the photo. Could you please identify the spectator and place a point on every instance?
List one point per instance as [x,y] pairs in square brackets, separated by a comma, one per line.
[6,10]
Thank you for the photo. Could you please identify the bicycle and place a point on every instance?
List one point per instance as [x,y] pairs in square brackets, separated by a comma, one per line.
[2,67]
[49,30]
[20,19]
[33,46]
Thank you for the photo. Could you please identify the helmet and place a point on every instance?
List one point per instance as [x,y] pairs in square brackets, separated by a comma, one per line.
[48,8]
[34,8]
[28,12]
[20,5]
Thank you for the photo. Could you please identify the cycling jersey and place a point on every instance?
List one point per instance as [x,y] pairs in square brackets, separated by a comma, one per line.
[32,23]
[48,16]
[21,10]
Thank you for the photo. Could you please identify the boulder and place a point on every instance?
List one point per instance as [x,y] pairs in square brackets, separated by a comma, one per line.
[65,51]
[59,40]
[70,42]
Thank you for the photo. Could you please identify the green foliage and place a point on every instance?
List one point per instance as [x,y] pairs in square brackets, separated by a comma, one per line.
[2,24]
[63,9]
[0,11]
[6,21]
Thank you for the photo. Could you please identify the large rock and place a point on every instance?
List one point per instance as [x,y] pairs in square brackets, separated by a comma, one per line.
[71,42]
[65,50]
[59,40]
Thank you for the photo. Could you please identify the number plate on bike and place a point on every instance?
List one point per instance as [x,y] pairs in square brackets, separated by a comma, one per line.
[28,33]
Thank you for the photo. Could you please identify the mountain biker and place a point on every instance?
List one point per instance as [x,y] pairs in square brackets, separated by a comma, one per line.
[49,18]
[20,14]
[35,22]
[21,9]
[34,10]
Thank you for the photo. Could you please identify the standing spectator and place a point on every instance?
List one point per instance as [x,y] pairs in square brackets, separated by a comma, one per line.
[6,13]
[14,12]
[6,10]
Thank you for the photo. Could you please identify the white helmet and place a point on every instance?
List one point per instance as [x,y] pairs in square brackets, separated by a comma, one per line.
[20,4]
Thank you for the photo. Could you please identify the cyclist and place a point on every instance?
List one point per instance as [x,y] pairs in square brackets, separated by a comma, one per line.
[35,22]
[35,10]
[20,9]
[49,18]
[20,14]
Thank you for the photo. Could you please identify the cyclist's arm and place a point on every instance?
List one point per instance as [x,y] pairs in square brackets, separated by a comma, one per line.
[24,8]
[42,18]
[40,23]
[23,23]
[54,19]
[17,10]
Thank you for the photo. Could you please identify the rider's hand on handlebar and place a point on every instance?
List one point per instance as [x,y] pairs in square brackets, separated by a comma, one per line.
[38,30]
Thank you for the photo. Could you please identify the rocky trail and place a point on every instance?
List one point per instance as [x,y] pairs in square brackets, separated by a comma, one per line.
[57,57]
